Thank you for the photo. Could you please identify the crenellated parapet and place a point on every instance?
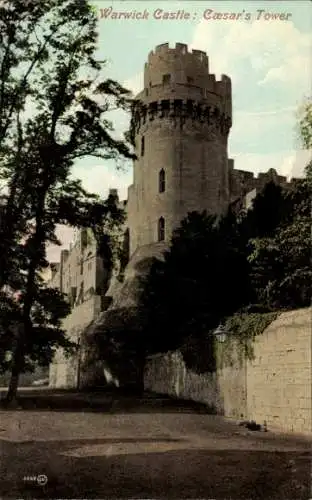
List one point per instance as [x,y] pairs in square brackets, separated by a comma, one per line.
[180,112]
[180,50]
[242,182]
[183,74]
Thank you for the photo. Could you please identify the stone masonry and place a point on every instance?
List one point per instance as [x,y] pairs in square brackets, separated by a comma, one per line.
[275,387]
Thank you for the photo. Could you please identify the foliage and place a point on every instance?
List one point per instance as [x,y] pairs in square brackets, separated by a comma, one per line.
[270,208]
[305,123]
[242,328]
[109,237]
[196,284]
[123,254]
[49,307]
[281,262]
[62,82]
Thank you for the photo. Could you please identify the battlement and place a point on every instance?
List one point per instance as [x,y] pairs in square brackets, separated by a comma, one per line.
[180,49]
[182,73]
[179,54]
[243,182]
[179,112]
[262,177]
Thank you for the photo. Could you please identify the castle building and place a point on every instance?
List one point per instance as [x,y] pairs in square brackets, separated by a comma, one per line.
[180,126]
[181,122]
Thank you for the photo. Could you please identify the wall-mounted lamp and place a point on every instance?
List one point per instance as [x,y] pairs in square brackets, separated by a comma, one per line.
[220,333]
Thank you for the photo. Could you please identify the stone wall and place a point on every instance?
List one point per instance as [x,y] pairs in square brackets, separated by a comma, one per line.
[223,391]
[276,386]
[279,379]
[64,372]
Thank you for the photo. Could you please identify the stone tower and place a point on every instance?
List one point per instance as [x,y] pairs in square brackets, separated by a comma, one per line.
[180,125]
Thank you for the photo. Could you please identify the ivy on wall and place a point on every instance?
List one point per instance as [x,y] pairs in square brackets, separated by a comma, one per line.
[242,329]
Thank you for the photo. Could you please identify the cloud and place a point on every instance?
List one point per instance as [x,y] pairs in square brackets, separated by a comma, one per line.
[270,66]
[272,112]
[135,83]
[295,164]
[264,131]
[102,177]
[278,52]
[297,71]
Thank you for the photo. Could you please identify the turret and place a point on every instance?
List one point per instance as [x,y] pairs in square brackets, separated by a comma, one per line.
[180,125]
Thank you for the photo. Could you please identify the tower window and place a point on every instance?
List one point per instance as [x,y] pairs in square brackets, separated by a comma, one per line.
[142,146]
[162,181]
[161,229]
[166,78]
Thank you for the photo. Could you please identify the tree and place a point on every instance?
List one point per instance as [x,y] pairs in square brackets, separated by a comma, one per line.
[48,309]
[22,51]
[110,239]
[203,279]
[305,123]
[281,262]
[68,122]
[269,209]
[305,133]
[65,99]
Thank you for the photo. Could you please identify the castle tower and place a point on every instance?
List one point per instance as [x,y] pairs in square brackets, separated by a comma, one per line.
[180,126]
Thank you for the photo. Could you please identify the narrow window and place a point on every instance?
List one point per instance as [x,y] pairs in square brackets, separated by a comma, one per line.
[81,266]
[142,146]
[161,229]
[162,181]
[166,78]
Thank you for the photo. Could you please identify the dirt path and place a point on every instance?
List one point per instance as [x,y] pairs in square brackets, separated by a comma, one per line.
[146,451]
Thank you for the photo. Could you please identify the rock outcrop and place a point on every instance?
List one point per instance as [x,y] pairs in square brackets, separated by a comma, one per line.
[125,299]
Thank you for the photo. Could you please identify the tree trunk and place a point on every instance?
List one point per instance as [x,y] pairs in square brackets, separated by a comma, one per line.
[17,366]
[13,386]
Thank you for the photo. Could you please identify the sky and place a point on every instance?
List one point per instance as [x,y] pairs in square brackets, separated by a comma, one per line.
[267,58]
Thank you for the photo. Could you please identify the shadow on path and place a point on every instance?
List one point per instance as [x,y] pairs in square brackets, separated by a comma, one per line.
[102,471]
[112,402]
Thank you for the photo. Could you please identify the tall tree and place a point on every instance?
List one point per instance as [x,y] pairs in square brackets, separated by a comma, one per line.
[70,102]
[281,261]
[65,93]
[203,279]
